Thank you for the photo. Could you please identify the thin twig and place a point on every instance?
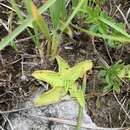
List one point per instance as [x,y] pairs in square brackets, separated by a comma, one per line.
[8,7]
[109,55]
[7,119]
[17,110]
[122,49]
[121,105]
[1,128]
[4,25]
[124,17]
[127,14]
[99,56]
[74,123]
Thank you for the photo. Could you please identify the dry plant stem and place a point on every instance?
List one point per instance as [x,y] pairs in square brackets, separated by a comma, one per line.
[8,7]
[1,128]
[115,11]
[17,110]
[22,109]
[122,49]
[48,48]
[127,14]
[26,38]
[128,116]
[110,4]
[125,120]
[5,26]
[99,56]
[74,123]
[123,101]
[124,17]
[106,46]
[11,126]
[67,3]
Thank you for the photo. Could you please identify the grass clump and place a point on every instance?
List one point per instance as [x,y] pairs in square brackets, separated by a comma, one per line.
[114,76]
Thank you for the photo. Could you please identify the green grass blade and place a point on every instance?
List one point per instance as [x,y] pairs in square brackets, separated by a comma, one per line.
[28,4]
[18,12]
[4,42]
[114,26]
[57,11]
[104,36]
[77,8]
[74,3]
[55,15]
[63,9]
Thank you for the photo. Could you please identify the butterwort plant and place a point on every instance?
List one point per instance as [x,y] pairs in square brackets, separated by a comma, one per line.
[63,82]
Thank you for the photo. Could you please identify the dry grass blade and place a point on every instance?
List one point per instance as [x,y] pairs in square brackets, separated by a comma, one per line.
[40,22]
